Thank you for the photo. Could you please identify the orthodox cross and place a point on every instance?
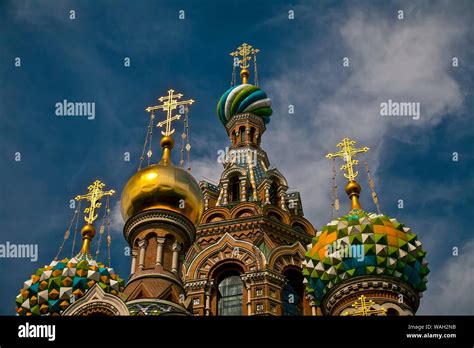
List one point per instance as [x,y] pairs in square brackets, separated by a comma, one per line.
[170,103]
[94,195]
[363,308]
[244,51]
[347,153]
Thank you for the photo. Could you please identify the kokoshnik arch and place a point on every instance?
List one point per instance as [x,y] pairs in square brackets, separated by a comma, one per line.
[241,246]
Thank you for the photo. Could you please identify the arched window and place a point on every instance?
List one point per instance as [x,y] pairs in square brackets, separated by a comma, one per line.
[292,293]
[234,190]
[242,133]
[273,194]
[275,216]
[299,227]
[252,134]
[230,295]
[215,217]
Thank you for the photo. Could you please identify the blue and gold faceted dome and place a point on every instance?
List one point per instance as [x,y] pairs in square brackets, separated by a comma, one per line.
[389,249]
[53,288]
[244,98]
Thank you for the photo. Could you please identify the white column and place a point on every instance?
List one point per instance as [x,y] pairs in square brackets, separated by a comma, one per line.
[312,304]
[159,250]
[134,261]
[242,190]
[267,194]
[249,300]
[142,245]
[225,198]
[281,195]
[207,293]
[174,264]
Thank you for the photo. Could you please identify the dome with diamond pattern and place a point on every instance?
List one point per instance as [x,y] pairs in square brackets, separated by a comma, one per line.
[55,287]
[389,248]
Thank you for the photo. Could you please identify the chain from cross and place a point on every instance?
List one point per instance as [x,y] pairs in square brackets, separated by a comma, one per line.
[93,196]
[170,103]
[244,51]
[364,308]
[347,153]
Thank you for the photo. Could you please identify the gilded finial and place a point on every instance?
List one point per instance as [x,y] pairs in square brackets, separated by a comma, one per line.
[245,51]
[347,152]
[170,103]
[93,196]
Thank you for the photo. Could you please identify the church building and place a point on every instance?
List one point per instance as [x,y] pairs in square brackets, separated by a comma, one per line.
[240,246]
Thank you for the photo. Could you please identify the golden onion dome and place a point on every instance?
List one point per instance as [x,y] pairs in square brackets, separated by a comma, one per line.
[163,186]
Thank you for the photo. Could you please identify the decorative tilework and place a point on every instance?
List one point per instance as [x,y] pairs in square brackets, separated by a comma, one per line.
[55,287]
[389,248]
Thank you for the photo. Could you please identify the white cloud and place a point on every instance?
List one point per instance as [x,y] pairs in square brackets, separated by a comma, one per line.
[206,168]
[450,287]
[116,220]
[406,61]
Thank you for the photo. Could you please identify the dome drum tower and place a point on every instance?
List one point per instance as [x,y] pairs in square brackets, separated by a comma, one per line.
[249,246]
[161,205]
[396,297]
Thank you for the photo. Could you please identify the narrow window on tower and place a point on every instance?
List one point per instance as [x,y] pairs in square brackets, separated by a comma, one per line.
[252,135]
[273,194]
[234,190]
[242,133]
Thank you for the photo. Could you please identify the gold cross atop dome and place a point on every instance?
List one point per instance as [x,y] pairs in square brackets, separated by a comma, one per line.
[363,307]
[347,153]
[94,195]
[170,103]
[244,51]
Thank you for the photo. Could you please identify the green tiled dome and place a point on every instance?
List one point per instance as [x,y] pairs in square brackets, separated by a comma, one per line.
[389,248]
[241,99]
[53,288]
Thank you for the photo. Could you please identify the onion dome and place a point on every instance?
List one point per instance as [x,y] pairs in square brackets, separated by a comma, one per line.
[56,286]
[389,248]
[244,98]
[163,186]
[362,244]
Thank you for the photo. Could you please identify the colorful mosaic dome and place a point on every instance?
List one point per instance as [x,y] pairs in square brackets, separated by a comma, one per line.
[389,248]
[244,98]
[54,288]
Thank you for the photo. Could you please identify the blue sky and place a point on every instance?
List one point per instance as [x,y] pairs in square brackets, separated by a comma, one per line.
[300,64]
